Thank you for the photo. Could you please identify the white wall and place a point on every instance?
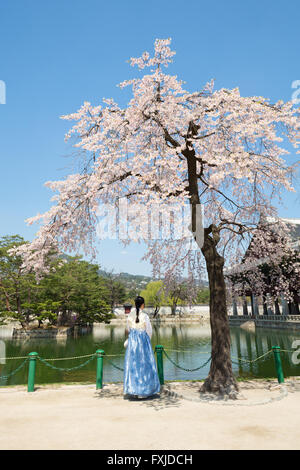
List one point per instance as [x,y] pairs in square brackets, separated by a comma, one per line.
[166,310]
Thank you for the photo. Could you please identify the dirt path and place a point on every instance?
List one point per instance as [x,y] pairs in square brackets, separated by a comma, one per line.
[79,417]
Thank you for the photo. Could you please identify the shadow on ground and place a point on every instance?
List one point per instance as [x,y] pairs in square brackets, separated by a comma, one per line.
[157,402]
[251,392]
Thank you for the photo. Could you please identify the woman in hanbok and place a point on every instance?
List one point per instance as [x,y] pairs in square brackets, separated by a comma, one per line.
[140,372]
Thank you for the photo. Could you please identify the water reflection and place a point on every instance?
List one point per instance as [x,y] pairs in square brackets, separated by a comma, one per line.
[248,345]
[104,332]
[6,331]
[190,344]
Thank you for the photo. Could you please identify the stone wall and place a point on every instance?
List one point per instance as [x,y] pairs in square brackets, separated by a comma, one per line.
[186,314]
[166,310]
[60,332]
[291,322]
[19,333]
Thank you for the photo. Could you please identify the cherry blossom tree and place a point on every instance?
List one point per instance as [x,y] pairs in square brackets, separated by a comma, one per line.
[170,147]
[270,267]
[180,291]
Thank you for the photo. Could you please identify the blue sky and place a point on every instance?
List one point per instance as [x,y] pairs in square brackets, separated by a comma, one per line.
[56,54]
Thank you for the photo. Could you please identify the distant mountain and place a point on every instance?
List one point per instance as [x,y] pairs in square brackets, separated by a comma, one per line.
[135,282]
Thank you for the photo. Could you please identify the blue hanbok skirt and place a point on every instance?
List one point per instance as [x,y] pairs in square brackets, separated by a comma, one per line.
[140,372]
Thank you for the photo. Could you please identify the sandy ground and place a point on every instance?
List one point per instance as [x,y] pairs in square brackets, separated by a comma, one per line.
[266,416]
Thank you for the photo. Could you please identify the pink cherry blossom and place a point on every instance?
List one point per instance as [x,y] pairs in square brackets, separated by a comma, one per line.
[142,153]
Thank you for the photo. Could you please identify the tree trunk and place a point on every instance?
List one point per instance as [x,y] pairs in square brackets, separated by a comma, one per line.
[265,309]
[277,309]
[64,317]
[245,306]
[220,379]
[156,311]
[7,303]
[18,299]
[294,309]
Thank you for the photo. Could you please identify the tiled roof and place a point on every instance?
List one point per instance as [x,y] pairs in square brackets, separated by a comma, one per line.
[292,224]
[294,228]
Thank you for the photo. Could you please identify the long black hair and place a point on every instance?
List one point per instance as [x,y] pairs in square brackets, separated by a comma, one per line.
[139,301]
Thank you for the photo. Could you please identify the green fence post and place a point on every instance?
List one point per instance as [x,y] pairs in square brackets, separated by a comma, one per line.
[99,374]
[31,370]
[278,364]
[160,363]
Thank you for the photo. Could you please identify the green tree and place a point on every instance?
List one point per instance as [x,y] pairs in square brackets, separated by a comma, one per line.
[41,311]
[203,296]
[81,291]
[131,295]
[73,291]
[115,288]
[15,286]
[154,295]
[179,292]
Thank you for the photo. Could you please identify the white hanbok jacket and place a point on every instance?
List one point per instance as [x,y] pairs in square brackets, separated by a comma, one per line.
[143,324]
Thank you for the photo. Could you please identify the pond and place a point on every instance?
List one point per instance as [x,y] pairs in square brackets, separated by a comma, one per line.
[187,345]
